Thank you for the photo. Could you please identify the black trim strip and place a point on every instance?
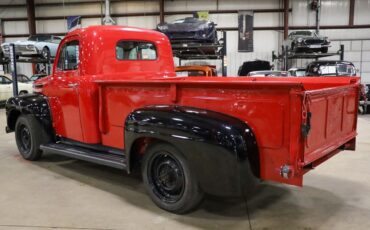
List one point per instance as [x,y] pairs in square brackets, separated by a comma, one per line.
[111,160]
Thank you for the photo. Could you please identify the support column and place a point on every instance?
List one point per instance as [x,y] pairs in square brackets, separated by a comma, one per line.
[31,17]
[351,12]
[161,11]
[286,18]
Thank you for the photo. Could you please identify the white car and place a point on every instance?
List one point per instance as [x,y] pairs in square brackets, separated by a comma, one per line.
[306,41]
[44,46]
[6,88]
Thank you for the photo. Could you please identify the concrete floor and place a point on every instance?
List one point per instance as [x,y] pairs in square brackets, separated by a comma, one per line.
[60,193]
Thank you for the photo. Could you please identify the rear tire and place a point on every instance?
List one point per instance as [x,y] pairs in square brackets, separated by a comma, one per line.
[29,135]
[170,182]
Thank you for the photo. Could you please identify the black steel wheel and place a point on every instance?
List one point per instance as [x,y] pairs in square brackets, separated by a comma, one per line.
[24,136]
[29,135]
[168,178]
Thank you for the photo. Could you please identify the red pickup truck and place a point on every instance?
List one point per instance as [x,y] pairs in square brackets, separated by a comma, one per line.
[114,99]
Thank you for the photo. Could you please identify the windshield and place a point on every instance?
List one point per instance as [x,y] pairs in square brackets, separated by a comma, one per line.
[40,38]
[300,73]
[186,20]
[302,33]
[5,80]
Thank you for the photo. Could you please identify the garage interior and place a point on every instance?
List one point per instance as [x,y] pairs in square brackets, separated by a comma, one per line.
[58,192]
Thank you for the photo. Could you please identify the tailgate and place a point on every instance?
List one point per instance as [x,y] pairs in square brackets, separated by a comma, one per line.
[330,121]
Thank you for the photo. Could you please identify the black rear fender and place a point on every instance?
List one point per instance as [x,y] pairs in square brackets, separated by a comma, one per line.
[221,149]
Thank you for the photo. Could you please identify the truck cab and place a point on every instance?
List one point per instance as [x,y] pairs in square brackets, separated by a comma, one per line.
[96,53]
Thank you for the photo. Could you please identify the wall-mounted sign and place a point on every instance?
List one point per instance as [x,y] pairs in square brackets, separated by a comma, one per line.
[73,22]
[245,25]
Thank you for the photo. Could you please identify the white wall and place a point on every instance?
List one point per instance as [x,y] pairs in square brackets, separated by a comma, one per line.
[334,12]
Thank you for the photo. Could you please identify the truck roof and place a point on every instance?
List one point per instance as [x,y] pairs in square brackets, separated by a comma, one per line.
[103,30]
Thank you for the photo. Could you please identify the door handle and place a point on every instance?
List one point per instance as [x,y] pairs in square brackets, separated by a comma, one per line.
[72,85]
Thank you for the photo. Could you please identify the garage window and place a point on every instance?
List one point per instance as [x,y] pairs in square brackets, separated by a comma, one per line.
[69,56]
[135,50]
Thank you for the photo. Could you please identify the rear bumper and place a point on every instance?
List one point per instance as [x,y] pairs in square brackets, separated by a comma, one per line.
[350,145]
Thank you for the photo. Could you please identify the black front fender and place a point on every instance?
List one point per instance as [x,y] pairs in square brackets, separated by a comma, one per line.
[35,104]
[221,149]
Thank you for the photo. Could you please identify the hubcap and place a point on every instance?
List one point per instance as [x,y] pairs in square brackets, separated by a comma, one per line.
[25,138]
[167,177]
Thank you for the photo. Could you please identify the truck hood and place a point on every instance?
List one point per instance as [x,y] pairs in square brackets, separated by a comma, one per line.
[25,43]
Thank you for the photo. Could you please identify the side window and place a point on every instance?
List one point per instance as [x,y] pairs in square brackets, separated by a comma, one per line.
[4,81]
[135,50]
[69,56]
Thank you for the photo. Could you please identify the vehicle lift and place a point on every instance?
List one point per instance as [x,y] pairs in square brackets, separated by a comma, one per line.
[13,60]
[186,50]
[286,55]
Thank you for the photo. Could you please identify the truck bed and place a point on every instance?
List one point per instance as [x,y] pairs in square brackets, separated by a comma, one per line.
[298,122]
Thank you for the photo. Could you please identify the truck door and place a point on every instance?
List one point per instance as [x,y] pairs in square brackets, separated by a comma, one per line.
[65,91]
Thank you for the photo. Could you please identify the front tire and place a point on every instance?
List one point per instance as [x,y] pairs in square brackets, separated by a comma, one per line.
[169,181]
[29,135]
[324,50]
[45,53]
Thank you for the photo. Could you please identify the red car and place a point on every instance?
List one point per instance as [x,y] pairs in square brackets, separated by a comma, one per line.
[196,71]
[114,99]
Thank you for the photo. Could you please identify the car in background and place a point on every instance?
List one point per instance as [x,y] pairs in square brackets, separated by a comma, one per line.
[330,68]
[268,73]
[367,93]
[37,76]
[193,71]
[297,72]
[256,65]
[44,46]
[6,88]
[307,41]
[190,29]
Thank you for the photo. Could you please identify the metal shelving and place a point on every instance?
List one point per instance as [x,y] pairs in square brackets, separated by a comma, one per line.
[188,50]
[286,55]
[33,60]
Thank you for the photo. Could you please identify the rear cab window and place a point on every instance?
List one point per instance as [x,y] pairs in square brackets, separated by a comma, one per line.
[136,50]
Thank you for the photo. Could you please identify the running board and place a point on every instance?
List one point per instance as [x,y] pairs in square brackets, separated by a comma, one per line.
[103,158]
